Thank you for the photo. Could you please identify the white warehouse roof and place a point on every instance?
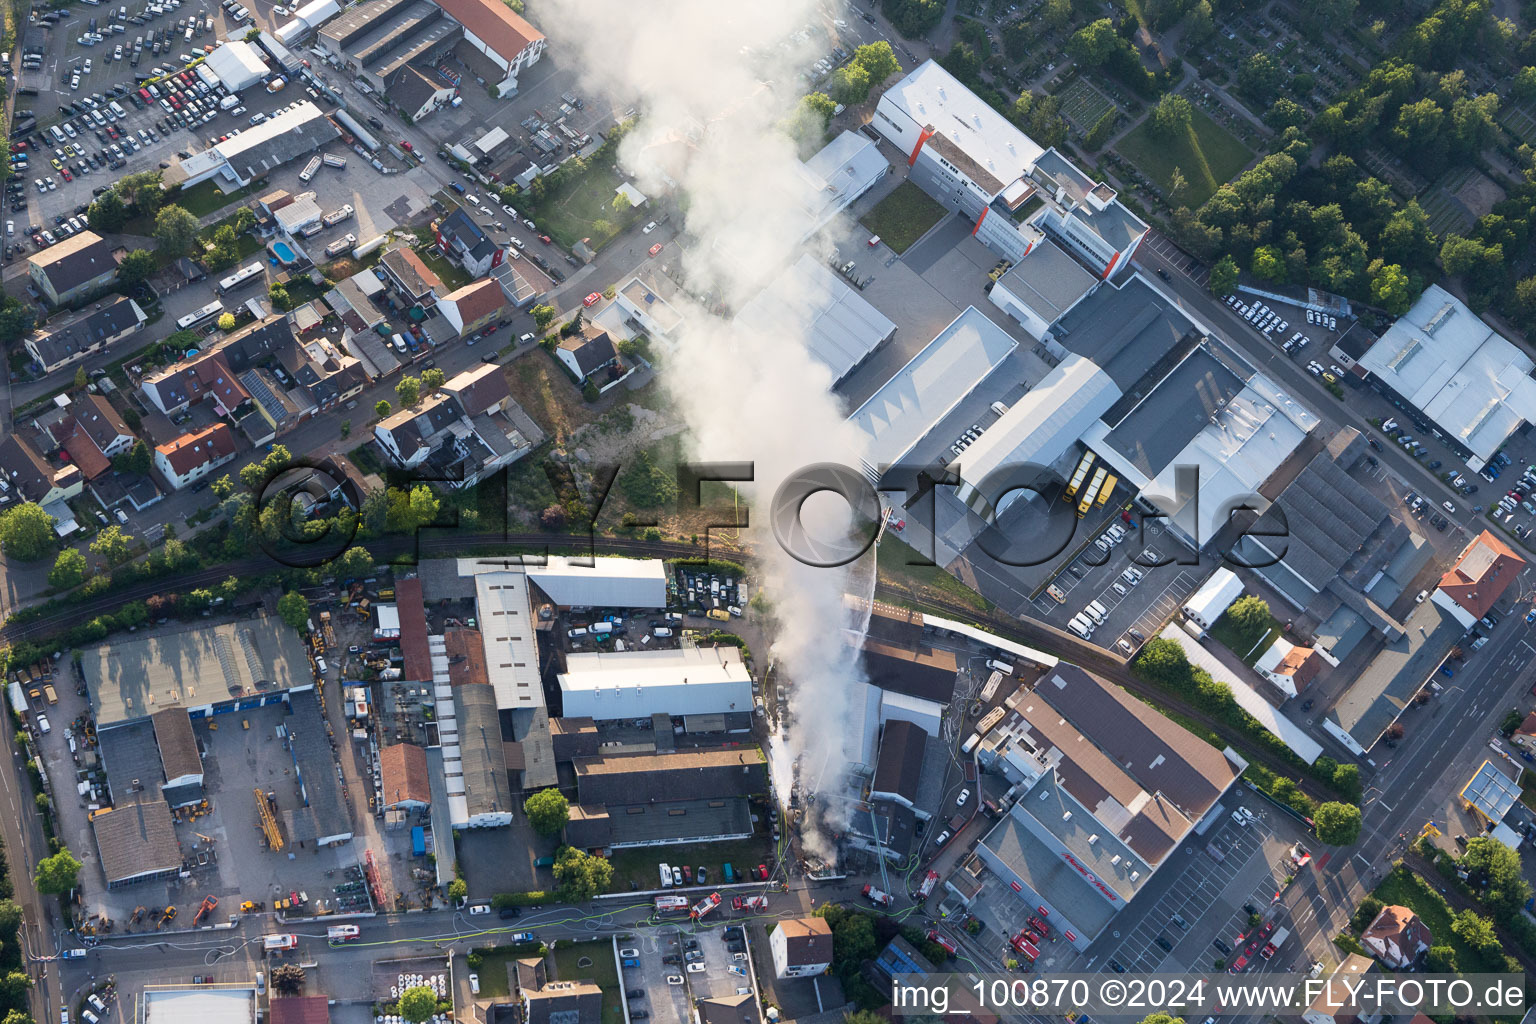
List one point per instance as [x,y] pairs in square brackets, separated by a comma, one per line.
[924,391]
[839,173]
[615,582]
[317,12]
[238,65]
[1474,383]
[839,326]
[637,684]
[507,637]
[1214,597]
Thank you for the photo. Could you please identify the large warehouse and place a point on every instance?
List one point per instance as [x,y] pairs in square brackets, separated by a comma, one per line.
[208,670]
[638,684]
[841,328]
[602,581]
[1471,382]
[258,150]
[238,65]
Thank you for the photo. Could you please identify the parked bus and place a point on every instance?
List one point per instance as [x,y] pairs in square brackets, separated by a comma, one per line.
[240,276]
[198,317]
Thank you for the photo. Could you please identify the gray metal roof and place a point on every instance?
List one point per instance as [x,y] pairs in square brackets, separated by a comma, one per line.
[131,756]
[901,760]
[1321,520]
[840,328]
[316,765]
[1175,409]
[1384,687]
[1043,870]
[1126,330]
[1048,281]
[486,787]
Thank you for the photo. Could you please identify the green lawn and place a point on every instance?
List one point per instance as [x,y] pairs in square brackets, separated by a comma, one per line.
[203,199]
[452,276]
[1240,643]
[1208,157]
[903,217]
[640,864]
[582,207]
[492,967]
[894,567]
[571,964]
[1404,888]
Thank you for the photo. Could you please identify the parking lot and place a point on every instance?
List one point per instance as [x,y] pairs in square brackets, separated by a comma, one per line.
[667,1003]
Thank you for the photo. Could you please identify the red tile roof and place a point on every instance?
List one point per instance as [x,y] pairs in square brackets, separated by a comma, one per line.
[413,630]
[300,1010]
[1480,576]
[190,451]
[495,24]
[403,771]
[477,300]
[83,451]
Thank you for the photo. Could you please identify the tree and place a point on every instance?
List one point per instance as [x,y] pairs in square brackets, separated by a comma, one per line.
[58,874]
[418,1003]
[226,322]
[432,379]
[223,248]
[176,231]
[26,532]
[1285,113]
[581,875]
[108,213]
[111,545]
[913,18]
[354,563]
[223,487]
[141,191]
[1058,14]
[878,59]
[280,297]
[458,891]
[136,266]
[1250,614]
[849,84]
[13,987]
[244,220]
[408,390]
[1223,279]
[1171,116]
[1259,77]
[81,380]
[808,121]
[1177,182]
[135,460]
[1476,931]
[1390,287]
[547,811]
[293,608]
[1161,1018]
[288,978]
[1495,868]
[16,319]
[621,202]
[1268,263]
[381,408]
[1102,129]
[1093,44]
[1337,824]
[68,569]
[1441,960]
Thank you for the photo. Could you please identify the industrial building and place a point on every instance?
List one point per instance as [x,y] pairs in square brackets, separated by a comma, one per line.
[601,581]
[258,150]
[1107,790]
[973,160]
[237,64]
[689,796]
[136,841]
[379,39]
[638,684]
[1470,382]
[208,670]
[306,20]
[841,329]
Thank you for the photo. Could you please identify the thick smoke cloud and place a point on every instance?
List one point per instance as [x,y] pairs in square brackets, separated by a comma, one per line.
[711,83]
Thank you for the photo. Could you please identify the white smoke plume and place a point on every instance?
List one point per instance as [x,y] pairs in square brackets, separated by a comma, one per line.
[710,82]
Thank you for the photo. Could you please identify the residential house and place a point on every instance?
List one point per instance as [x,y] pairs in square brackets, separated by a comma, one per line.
[553,1002]
[474,307]
[1289,667]
[499,35]
[1485,569]
[590,355]
[24,476]
[411,276]
[92,432]
[191,457]
[740,1008]
[465,430]
[214,372]
[74,269]
[1334,1004]
[1398,937]
[355,307]
[418,91]
[85,335]
[466,243]
[801,947]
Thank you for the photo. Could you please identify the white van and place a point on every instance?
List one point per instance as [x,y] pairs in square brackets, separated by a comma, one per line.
[661,631]
[320,666]
[666,876]
[1098,611]
[1000,666]
[1094,614]
[578,631]
[1077,627]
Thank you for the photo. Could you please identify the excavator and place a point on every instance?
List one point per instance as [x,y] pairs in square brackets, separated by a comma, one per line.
[165,918]
[209,904]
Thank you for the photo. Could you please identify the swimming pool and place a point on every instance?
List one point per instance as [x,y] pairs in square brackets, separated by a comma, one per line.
[284,252]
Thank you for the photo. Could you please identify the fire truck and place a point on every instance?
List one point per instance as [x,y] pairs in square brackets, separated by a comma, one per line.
[704,906]
[879,897]
[926,889]
[750,903]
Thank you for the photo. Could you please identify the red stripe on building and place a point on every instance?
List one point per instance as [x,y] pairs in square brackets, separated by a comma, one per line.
[1111,268]
[984,211]
[922,137]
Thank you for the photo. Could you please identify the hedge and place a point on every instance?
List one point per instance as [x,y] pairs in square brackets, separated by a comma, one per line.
[532,898]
